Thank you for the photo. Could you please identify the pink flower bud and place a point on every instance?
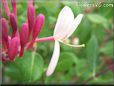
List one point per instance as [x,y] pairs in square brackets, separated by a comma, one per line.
[38,25]
[13,48]
[5,5]
[4,32]
[30,15]
[13,2]
[13,24]
[24,33]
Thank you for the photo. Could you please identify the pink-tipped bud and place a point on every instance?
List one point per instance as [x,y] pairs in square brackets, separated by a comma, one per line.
[30,2]
[4,32]
[24,33]
[14,9]
[31,16]
[38,25]
[5,5]
[13,48]
[13,23]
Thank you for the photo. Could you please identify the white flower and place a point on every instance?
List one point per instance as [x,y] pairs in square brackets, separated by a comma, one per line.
[65,26]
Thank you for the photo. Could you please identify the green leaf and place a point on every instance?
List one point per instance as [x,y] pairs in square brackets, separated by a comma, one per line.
[66,61]
[108,49]
[92,53]
[95,18]
[29,68]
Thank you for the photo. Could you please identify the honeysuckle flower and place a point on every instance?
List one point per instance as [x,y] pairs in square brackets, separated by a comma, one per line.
[14,45]
[64,28]
[24,35]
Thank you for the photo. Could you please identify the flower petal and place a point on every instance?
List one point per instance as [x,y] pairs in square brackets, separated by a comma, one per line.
[65,19]
[54,59]
[74,25]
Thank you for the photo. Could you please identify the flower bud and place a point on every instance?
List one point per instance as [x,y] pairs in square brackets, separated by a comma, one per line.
[38,25]
[5,5]
[30,15]
[4,32]
[13,2]
[13,23]
[13,48]
[24,34]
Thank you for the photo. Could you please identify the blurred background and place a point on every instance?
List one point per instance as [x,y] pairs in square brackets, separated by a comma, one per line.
[92,64]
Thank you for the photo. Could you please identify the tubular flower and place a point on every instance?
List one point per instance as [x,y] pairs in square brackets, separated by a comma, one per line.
[64,28]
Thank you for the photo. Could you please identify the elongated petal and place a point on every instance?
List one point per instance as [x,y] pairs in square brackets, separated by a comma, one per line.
[74,25]
[65,19]
[54,59]
[14,9]
[5,5]
[13,48]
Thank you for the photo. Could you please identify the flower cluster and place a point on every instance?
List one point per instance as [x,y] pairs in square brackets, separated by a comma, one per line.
[18,41]
[15,44]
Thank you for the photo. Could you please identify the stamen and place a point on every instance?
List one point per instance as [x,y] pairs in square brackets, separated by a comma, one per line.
[71,45]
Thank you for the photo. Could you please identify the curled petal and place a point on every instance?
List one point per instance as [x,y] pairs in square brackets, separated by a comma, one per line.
[13,24]
[13,2]
[54,59]
[74,25]
[13,48]
[31,16]
[5,5]
[65,19]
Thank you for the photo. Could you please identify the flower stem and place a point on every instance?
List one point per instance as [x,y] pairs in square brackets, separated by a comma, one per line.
[50,38]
